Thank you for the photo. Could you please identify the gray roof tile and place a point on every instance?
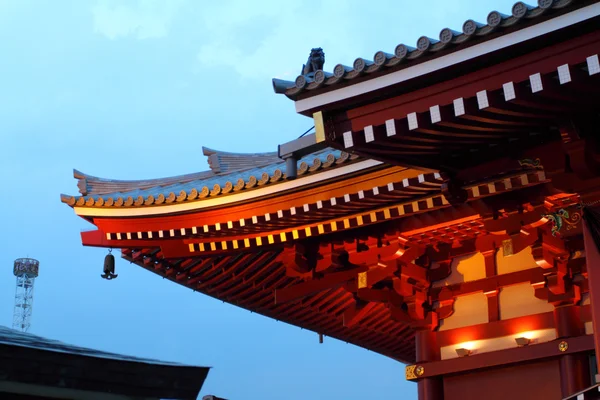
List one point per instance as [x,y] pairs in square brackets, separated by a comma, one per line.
[237,173]
[404,55]
[12,337]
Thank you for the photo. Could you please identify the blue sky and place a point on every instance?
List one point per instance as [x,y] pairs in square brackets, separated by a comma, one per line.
[132,90]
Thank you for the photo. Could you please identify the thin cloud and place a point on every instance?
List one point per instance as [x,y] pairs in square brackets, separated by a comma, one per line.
[288,30]
[144,19]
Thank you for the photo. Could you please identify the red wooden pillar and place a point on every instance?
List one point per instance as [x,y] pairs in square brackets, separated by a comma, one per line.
[592,256]
[491,269]
[574,368]
[574,373]
[427,349]
[567,321]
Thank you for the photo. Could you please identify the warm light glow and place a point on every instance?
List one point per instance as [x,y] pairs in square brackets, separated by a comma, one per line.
[528,335]
[467,345]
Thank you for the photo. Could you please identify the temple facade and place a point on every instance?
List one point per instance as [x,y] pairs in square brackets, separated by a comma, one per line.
[442,214]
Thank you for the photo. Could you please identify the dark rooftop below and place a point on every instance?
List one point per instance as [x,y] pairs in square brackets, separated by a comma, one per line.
[33,365]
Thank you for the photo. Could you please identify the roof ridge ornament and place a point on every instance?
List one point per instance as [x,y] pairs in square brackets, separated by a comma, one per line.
[312,78]
[315,62]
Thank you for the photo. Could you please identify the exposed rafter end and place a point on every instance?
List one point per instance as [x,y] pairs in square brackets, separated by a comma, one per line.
[95,238]
[356,312]
[313,286]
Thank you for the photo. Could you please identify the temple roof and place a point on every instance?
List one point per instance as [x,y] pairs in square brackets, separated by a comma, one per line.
[403,56]
[92,185]
[222,162]
[229,173]
[13,337]
[27,359]
[247,269]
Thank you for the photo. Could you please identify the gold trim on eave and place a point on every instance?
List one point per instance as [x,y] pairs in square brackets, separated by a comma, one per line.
[507,247]
[410,372]
[319,126]
[414,372]
[563,346]
[362,280]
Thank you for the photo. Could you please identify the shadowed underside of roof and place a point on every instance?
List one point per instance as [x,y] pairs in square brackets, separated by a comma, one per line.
[249,281]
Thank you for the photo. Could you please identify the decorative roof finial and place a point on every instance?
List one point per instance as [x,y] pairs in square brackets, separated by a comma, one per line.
[315,62]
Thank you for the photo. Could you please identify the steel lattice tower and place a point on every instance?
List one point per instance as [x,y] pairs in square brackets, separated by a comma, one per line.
[26,270]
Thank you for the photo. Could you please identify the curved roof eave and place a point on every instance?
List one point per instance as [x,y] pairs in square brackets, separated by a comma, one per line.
[241,185]
[405,56]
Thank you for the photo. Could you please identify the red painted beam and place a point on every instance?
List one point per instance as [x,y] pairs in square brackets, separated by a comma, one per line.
[496,329]
[316,285]
[97,238]
[492,283]
[543,61]
[585,313]
[373,295]
[506,357]
[178,248]
[355,313]
[172,248]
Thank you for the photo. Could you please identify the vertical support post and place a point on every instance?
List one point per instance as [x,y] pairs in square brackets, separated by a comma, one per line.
[567,321]
[489,256]
[493,305]
[592,256]
[574,373]
[427,349]
[574,368]
[291,167]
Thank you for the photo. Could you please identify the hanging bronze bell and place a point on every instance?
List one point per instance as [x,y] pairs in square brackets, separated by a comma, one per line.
[109,267]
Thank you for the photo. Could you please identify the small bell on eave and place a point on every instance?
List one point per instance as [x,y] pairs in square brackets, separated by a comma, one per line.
[109,266]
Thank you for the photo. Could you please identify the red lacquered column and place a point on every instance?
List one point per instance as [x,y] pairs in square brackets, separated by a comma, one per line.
[574,368]
[427,349]
[593,263]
